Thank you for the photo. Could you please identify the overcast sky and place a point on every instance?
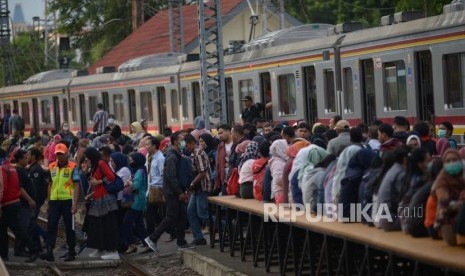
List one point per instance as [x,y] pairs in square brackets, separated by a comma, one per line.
[30,8]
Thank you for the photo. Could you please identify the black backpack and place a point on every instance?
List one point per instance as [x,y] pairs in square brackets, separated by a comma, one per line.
[21,124]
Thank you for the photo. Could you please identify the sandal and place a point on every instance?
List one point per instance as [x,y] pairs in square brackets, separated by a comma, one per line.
[131,249]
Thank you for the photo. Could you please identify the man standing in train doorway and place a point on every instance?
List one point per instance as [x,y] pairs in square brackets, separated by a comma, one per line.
[100,120]
[252,111]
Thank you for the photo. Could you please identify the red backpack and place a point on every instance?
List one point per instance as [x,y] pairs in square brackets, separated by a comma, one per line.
[233,182]
[258,170]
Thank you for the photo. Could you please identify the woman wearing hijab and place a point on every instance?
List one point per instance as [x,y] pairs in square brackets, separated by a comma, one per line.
[292,153]
[133,221]
[449,192]
[120,165]
[210,145]
[414,142]
[246,170]
[102,217]
[137,133]
[199,124]
[278,151]
[441,146]
[306,174]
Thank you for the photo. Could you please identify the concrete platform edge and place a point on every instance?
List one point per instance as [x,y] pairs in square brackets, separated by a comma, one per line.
[206,266]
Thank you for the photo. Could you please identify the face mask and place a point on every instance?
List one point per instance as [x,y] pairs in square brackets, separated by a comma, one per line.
[111,121]
[183,145]
[259,130]
[65,128]
[442,133]
[453,168]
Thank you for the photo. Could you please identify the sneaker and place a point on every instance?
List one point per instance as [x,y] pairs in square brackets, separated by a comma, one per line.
[70,258]
[151,244]
[185,246]
[96,254]
[110,256]
[200,242]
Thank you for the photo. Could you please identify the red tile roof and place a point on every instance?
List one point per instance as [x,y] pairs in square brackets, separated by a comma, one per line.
[153,37]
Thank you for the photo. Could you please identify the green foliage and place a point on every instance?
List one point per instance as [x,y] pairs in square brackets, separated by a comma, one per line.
[368,12]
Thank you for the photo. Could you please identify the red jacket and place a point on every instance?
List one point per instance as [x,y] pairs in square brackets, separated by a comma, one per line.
[11,188]
[103,171]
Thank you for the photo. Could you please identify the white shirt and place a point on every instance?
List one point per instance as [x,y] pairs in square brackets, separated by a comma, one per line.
[246,172]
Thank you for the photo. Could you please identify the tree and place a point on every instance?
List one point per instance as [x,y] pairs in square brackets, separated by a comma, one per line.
[368,12]
[27,58]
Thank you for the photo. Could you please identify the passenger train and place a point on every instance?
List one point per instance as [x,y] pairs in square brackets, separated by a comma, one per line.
[414,69]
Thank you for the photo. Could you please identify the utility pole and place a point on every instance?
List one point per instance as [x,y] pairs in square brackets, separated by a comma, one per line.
[176,26]
[338,73]
[5,46]
[280,14]
[50,46]
[212,62]
[137,14]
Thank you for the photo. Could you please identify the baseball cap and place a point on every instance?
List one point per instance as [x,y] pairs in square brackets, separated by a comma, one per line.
[342,124]
[247,98]
[61,148]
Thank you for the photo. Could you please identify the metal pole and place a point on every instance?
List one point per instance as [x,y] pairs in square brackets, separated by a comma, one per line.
[264,17]
[338,74]
[46,34]
[281,14]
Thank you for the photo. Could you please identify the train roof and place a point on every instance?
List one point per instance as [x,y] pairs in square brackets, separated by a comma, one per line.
[270,48]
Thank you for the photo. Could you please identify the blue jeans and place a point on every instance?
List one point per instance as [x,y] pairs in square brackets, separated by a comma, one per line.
[197,212]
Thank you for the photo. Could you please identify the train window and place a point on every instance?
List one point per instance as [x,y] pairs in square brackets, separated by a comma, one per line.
[330,93]
[395,86]
[93,101]
[348,91]
[287,99]
[246,88]
[118,107]
[25,113]
[174,106]
[65,110]
[147,107]
[45,110]
[454,80]
[73,110]
[185,104]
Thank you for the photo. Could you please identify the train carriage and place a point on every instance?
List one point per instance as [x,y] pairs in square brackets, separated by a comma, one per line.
[414,69]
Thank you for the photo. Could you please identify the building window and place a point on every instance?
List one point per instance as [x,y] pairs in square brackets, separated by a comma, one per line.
[174,106]
[93,101]
[330,92]
[348,91]
[45,110]
[246,88]
[25,113]
[454,80]
[118,107]
[147,107]
[286,90]
[395,86]
[185,104]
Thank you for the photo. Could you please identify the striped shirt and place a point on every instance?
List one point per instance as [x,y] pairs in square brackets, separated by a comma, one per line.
[201,163]
[101,117]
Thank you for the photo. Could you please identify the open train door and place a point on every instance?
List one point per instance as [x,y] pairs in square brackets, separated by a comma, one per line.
[266,95]
[56,114]
[82,113]
[35,116]
[368,91]
[132,106]
[425,86]
[311,107]
[161,99]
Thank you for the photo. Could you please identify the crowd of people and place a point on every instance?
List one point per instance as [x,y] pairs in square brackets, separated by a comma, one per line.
[132,189]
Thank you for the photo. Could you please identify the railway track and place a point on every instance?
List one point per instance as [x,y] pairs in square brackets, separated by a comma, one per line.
[135,268]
